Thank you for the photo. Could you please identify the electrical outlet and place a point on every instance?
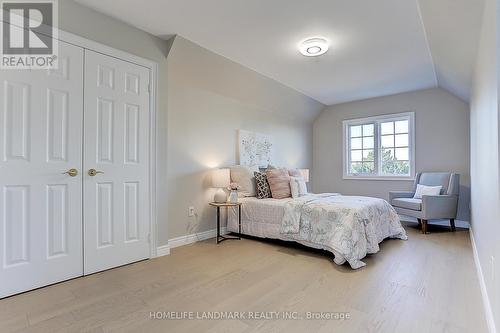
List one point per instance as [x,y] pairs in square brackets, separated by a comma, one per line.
[191,211]
[492,268]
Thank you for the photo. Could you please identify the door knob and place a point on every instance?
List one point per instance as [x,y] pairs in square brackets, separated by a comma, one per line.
[71,172]
[93,172]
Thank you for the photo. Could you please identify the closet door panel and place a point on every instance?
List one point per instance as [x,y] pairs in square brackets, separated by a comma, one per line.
[116,198]
[41,125]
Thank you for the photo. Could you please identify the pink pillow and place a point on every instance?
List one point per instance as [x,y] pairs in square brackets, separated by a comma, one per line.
[279,182]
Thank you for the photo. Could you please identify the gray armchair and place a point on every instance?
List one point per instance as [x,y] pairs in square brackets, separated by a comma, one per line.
[443,206]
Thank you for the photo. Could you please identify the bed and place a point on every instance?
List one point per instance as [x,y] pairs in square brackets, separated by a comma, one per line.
[350,227]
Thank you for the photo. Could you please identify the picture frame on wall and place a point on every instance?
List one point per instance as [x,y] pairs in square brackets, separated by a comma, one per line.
[254,149]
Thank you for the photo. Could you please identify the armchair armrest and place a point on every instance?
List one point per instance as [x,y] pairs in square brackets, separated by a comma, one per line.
[439,206]
[399,194]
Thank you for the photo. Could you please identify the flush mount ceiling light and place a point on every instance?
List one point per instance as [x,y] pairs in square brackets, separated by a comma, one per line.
[313,47]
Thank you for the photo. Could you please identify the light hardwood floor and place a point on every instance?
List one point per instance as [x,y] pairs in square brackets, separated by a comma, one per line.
[425,284]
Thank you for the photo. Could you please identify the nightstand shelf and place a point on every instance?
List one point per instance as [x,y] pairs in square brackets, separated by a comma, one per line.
[219,238]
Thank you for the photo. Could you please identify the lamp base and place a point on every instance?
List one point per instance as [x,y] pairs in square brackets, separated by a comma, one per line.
[220,196]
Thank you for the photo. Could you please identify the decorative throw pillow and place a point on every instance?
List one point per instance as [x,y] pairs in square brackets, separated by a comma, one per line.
[426,190]
[298,187]
[243,176]
[262,186]
[279,183]
[294,173]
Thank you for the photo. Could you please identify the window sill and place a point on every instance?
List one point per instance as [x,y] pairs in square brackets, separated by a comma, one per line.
[408,179]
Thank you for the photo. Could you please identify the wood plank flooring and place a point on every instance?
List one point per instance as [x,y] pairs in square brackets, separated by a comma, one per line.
[425,284]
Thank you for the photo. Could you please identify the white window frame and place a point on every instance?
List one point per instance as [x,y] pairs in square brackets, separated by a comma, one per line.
[376,120]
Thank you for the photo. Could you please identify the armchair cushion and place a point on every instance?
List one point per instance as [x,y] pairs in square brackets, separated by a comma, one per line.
[408,203]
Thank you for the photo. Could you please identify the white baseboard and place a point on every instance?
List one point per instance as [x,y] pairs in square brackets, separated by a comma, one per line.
[484,292]
[163,250]
[193,238]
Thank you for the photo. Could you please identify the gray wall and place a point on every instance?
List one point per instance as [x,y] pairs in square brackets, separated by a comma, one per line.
[442,142]
[203,99]
[485,157]
[209,98]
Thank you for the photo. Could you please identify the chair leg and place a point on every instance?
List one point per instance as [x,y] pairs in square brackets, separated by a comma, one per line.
[424,226]
[452,224]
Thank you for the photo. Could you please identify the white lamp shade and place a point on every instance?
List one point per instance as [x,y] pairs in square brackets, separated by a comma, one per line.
[221,178]
[305,174]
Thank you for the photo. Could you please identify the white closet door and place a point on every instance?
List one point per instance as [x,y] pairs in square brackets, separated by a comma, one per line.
[40,207]
[116,199]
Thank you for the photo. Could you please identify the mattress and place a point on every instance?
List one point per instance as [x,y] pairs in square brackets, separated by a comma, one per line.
[259,217]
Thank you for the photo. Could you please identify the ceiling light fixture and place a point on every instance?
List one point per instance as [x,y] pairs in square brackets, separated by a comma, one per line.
[313,47]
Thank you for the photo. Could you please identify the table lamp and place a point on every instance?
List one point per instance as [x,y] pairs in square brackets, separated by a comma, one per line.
[220,180]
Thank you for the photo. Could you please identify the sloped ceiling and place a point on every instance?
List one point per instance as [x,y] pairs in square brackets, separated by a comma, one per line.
[377,48]
[452,28]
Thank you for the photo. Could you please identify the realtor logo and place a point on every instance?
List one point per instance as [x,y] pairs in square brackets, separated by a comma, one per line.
[29,34]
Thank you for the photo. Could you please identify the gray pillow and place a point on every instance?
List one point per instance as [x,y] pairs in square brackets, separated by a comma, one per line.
[262,186]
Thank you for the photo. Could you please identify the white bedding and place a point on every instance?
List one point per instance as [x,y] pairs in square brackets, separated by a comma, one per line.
[349,227]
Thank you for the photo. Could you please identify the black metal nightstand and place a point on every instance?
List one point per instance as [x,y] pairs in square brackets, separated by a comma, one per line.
[219,238]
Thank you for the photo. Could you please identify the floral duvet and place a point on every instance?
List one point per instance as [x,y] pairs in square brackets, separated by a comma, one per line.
[349,226]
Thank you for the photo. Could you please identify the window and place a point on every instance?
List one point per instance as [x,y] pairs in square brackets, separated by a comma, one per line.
[380,147]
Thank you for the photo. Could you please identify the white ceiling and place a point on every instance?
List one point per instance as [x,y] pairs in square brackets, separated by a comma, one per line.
[377,47]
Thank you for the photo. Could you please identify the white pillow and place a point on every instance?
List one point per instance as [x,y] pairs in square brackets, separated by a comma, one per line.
[298,187]
[426,190]
[244,177]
